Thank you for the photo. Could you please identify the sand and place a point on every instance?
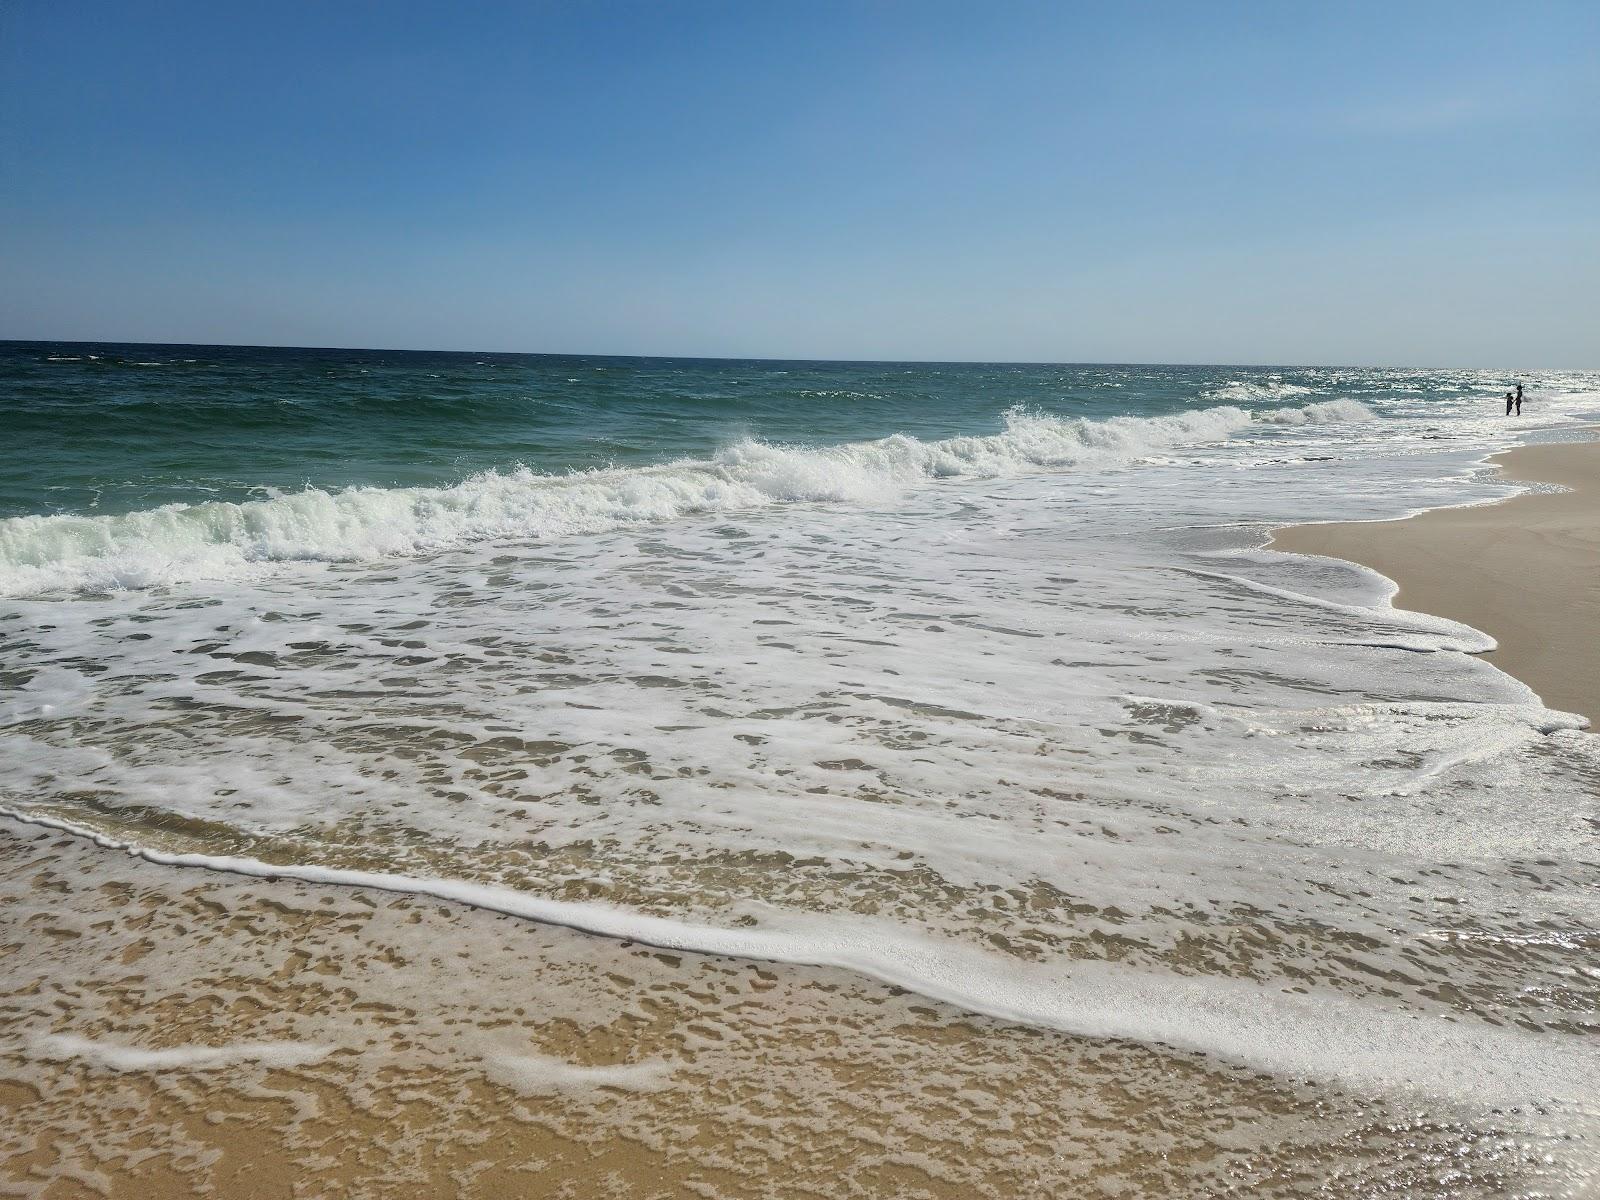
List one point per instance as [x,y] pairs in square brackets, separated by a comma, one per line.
[172,1033]
[1526,570]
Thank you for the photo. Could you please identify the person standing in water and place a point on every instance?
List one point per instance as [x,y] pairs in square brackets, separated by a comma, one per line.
[1519,399]
[1511,399]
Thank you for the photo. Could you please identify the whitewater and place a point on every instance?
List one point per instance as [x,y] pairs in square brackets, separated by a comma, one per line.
[184,542]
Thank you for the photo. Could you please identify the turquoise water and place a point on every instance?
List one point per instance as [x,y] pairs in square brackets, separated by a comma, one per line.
[115,428]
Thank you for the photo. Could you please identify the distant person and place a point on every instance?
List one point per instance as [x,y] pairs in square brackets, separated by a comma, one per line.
[1519,399]
[1511,398]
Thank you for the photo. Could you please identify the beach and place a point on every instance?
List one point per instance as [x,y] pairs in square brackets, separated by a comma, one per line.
[209,1035]
[558,776]
[647,601]
[1522,570]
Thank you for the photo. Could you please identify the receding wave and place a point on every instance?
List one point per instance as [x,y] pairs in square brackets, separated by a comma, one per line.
[1325,1036]
[182,542]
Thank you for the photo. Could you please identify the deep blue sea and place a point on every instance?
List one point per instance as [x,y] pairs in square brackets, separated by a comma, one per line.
[974,679]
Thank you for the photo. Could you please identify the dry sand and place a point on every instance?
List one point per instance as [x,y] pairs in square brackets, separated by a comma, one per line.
[1526,570]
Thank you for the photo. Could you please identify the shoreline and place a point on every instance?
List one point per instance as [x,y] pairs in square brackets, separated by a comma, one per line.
[177,1034]
[1521,569]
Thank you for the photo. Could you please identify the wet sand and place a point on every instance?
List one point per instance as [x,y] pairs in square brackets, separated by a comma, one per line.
[1525,570]
[172,1033]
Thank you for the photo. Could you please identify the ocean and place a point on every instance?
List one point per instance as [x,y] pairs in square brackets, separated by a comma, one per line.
[970,680]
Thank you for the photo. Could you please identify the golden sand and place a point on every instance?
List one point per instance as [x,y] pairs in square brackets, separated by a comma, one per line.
[168,1032]
[1526,571]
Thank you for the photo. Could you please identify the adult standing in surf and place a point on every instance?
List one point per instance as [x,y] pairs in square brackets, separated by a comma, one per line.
[1519,399]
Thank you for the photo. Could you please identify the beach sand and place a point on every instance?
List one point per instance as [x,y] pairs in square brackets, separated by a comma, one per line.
[1526,570]
[170,1033]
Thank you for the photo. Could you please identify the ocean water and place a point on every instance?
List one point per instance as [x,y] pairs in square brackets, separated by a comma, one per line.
[970,679]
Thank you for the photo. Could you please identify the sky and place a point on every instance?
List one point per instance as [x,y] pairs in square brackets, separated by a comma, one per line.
[1397,183]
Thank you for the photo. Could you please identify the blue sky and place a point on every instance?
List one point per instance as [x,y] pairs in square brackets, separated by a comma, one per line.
[1405,183]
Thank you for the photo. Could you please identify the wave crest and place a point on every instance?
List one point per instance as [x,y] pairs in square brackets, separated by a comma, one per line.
[183,542]
[1323,413]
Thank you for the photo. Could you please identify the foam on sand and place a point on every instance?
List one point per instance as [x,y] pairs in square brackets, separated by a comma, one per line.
[114,1057]
[541,1074]
[1316,1034]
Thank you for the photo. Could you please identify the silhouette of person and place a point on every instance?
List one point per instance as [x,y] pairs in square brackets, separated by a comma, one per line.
[1519,399]
[1511,398]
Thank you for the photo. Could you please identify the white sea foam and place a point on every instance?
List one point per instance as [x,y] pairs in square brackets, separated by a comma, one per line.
[180,542]
[540,1074]
[1320,413]
[116,1057]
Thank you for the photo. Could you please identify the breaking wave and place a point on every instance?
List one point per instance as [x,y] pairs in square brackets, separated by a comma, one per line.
[182,542]
[1322,413]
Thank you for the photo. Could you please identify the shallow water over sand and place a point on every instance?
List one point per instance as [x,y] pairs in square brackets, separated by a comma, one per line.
[199,1034]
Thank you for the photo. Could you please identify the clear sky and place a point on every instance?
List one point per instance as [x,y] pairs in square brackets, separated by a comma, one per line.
[1393,183]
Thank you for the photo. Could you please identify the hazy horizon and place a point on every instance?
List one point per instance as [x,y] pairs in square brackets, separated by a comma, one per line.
[1249,185]
[933,362]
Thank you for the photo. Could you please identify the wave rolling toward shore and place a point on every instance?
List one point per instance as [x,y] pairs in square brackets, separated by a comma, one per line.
[183,542]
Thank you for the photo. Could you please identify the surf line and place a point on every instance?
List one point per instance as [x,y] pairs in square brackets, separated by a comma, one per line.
[1293,1036]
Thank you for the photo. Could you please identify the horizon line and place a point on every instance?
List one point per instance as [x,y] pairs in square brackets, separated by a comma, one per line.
[926,362]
